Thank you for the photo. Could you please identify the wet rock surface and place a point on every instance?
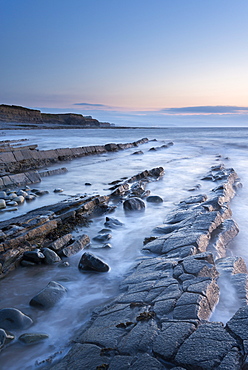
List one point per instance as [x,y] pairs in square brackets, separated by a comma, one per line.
[13,319]
[31,338]
[134,204]
[160,320]
[89,262]
[48,226]
[48,296]
[18,166]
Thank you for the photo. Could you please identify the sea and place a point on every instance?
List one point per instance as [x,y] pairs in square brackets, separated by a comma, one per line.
[194,151]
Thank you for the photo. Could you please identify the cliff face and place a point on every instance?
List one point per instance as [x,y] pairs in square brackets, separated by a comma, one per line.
[69,119]
[17,114]
[13,113]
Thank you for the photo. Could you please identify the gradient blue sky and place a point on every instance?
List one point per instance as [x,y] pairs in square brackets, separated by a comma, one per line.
[127,61]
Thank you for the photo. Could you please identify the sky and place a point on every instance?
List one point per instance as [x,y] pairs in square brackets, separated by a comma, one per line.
[134,62]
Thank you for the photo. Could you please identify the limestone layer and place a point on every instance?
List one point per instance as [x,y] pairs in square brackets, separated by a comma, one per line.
[160,319]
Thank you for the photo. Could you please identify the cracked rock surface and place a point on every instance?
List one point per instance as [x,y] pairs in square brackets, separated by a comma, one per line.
[160,318]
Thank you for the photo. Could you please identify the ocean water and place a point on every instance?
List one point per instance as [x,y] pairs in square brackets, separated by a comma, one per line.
[193,153]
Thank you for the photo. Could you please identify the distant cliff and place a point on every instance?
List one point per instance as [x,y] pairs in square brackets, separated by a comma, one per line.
[17,114]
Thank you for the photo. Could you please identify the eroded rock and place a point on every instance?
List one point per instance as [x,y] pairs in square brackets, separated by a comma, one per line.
[89,262]
[48,296]
[134,204]
[14,319]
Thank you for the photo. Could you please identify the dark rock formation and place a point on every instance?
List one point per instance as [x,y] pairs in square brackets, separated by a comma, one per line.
[113,223]
[13,319]
[154,199]
[134,204]
[89,262]
[31,338]
[5,337]
[18,167]
[102,237]
[81,242]
[48,296]
[39,225]
[50,256]
[160,318]
[35,256]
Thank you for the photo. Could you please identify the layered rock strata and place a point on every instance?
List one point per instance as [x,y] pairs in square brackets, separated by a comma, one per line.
[18,114]
[160,320]
[49,226]
[19,167]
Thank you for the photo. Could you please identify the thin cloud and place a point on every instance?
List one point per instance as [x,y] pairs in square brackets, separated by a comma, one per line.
[219,109]
[90,105]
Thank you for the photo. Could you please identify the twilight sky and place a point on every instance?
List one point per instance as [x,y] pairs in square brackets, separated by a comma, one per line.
[128,61]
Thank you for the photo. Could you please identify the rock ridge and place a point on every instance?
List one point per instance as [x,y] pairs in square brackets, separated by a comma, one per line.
[19,167]
[160,319]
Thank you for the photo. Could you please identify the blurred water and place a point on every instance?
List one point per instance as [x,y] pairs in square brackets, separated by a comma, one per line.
[194,151]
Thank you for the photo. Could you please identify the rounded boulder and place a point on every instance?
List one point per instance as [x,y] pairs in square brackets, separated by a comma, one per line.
[31,338]
[14,319]
[154,199]
[2,204]
[48,296]
[51,257]
[89,262]
[134,204]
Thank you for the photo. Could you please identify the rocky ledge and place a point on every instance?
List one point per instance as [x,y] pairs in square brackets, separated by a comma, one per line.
[18,166]
[160,319]
[50,226]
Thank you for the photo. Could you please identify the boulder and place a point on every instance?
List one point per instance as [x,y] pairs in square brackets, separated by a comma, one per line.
[138,152]
[134,204]
[112,222]
[89,262]
[154,199]
[11,196]
[14,319]
[2,204]
[35,256]
[19,199]
[51,257]
[111,147]
[5,337]
[31,338]
[30,197]
[3,195]
[22,192]
[138,189]
[40,192]
[11,203]
[102,238]
[48,296]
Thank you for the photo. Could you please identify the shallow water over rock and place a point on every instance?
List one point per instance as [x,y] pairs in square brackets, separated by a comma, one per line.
[185,163]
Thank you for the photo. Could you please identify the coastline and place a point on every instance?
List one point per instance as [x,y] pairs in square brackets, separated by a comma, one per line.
[131,330]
